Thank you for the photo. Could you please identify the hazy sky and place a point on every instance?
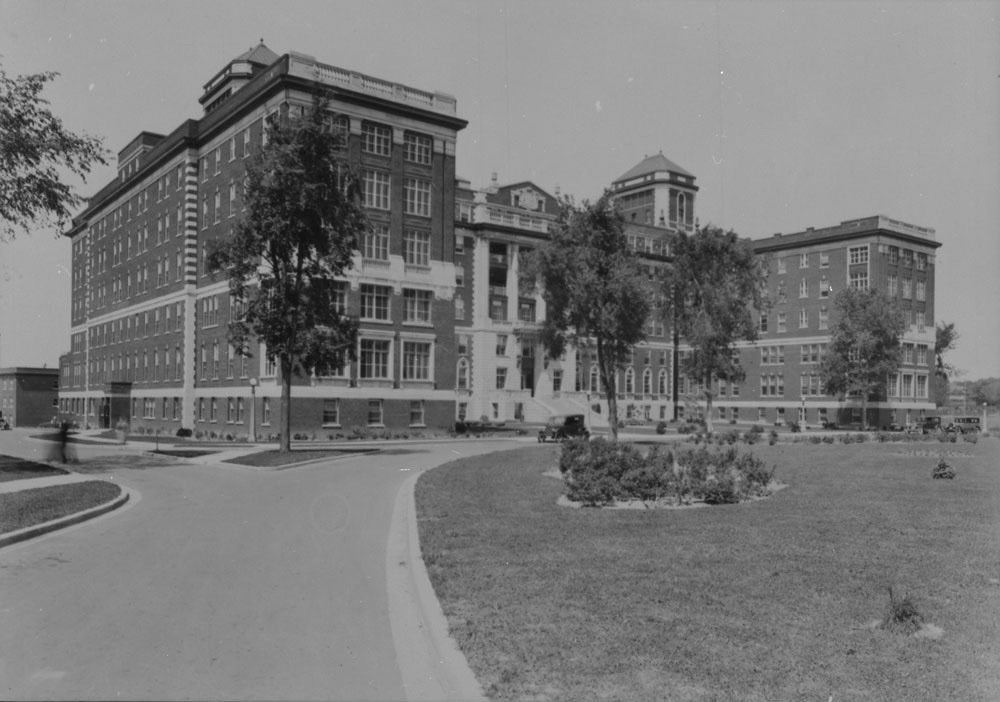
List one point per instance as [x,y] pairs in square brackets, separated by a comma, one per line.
[790,114]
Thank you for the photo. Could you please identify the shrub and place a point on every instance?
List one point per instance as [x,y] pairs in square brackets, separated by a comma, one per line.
[773,437]
[970,438]
[903,616]
[731,437]
[816,439]
[943,471]
[860,438]
[751,437]
[460,427]
[661,427]
[828,439]
[846,439]
[756,429]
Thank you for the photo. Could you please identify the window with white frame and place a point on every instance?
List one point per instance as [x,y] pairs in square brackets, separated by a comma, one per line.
[416,305]
[782,321]
[907,287]
[782,266]
[265,413]
[824,318]
[376,243]
[374,359]
[375,302]
[331,412]
[462,373]
[501,348]
[803,288]
[857,255]
[416,360]
[376,139]
[375,417]
[501,378]
[824,259]
[859,279]
[416,413]
[416,247]
[629,381]
[459,308]
[803,318]
[921,320]
[417,148]
[803,260]
[921,291]
[376,188]
[417,197]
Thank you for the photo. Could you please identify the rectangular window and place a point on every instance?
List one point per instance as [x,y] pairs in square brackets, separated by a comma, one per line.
[416,360]
[375,302]
[417,148]
[907,288]
[921,261]
[246,142]
[921,321]
[417,197]
[230,410]
[782,322]
[375,413]
[803,288]
[803,319]
[416,413]
[265,414]
[921,386]
[376,243]
[763,323]
[892,285]
[921,290]
[782,267]
[501,345]
[416,305]
[501,378]
[459,308]
[803,260]
[859,279]
[857,255]
[922,355]
[376,139]
[375,186]
[824,288]
[824,259]
[331,412]
[374,362]
[416,248]
[214,415]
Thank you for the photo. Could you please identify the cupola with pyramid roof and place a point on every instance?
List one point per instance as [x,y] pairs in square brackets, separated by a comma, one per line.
[657,191]
[235,75]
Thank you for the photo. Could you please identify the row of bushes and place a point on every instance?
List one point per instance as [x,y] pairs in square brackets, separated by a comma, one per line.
[600,473]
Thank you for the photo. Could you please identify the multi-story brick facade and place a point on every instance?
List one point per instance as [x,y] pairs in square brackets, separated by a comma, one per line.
[149,321]
[28,395]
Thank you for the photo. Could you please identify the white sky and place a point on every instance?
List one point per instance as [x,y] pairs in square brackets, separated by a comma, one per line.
[790,114]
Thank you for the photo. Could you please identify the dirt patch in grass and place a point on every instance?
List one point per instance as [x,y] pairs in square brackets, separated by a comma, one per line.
[761,601]
[27,508]
[275,459]
[12,468]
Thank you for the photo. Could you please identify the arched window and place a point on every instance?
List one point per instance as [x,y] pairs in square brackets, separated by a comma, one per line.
[647,382]
[629,381]
[661,382]
[463,374]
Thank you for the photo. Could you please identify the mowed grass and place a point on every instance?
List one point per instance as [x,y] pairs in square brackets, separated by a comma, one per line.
[12,468]
[770,600]
[272,458]
[27,508]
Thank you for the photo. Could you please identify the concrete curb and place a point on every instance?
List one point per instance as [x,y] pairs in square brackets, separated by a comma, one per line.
[67,521]
[430,663]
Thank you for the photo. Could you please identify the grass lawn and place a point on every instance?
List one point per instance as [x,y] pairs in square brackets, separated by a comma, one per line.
[771,600]
[274,458]
[38,505]
[12,468]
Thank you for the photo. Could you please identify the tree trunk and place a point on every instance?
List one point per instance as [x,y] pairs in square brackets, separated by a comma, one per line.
[608,381]
[285,435]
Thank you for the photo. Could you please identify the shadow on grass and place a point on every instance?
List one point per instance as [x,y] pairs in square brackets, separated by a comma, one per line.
[12,468]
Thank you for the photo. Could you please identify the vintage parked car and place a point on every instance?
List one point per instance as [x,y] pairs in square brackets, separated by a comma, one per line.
[929,424]
[564,426]
[965,425]
[4,424]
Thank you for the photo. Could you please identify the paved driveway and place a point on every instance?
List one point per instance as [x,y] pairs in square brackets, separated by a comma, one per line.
[215,582]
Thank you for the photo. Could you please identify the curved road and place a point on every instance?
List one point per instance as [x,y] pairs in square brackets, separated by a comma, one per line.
[216,581]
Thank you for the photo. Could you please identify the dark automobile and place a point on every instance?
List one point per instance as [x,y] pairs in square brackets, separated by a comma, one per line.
[564,426]
[929,424]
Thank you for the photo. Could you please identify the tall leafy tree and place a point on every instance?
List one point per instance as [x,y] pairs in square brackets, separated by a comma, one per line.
[302,226]
[35,152]
[715,290]
[595,295]
[945,338]
[864,345]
